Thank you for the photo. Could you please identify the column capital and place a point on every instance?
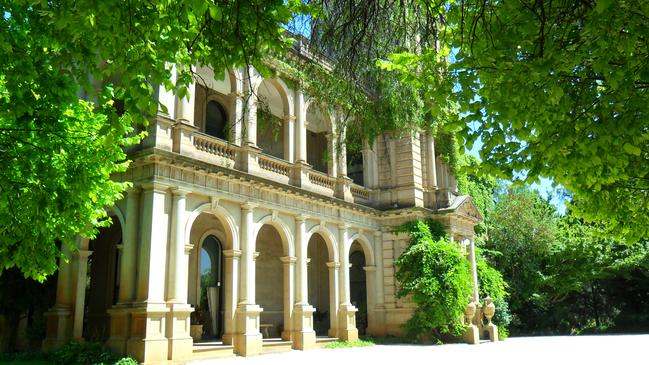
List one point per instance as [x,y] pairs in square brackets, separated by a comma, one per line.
[133,191]
[333,265]
[248,206]
[255,255]
[155,186]
[289,118]
[180,192]
[232,253]
[343,226]
[301,217]
[377,234]
[288,259]
[369,268]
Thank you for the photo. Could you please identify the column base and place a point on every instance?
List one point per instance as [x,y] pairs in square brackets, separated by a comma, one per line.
[303,334]
[147,342]
[228,338]
[59,327]
[347,323]
[181,344]
[248,341]
[471,335]
[120,325]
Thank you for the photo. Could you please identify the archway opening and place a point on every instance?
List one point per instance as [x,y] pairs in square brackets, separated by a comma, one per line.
[103,282]
[317,149]
[271,109]
[318,279]
[269,281]
[209,282]
[358,285]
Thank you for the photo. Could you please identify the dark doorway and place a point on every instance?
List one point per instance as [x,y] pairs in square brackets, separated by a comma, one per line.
[358,288]
[102,282]
[211,293]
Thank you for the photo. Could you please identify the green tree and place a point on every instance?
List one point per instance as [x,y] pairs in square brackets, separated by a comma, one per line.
[551,88]
[57,152]
[522,230]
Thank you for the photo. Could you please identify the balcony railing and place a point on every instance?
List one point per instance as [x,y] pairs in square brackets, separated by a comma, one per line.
[322,179]
[214,146]
[359,191]
[251,160]
[274,164]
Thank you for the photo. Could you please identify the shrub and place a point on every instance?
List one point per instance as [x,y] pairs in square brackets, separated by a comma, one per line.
[435,273]
[87,353]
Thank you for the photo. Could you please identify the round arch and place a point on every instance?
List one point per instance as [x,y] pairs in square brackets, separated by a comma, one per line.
[368,251]
[115,211]
[282,229]
[328,238]
[282,89]
[226,219]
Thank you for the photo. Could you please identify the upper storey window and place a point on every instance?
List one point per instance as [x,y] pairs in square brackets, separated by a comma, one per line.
[215,119]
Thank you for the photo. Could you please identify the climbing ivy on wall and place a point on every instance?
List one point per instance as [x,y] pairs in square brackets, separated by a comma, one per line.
[435,273]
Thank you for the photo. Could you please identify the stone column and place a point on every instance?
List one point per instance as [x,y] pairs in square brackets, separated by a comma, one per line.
[248,340]
[377,328]
[248,157]
[128,261]
[147,342]
[333,153]
[347,312]
[80,300]
[301,168]
[237,120]
[167,98]
[185,106]
[430,161]
[59,317]
[120,318]
[250,109]
[178,317]
[231,290]
[289,141]
[334,267]
[303,334]
[289,295]
[370,286]
[300,127]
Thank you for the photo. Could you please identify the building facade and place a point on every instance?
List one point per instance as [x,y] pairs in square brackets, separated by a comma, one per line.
[256,224]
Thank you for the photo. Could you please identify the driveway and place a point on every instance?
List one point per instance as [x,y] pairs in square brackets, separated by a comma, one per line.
[575,350]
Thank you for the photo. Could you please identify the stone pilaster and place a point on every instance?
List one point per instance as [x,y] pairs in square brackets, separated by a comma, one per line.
[346,312]
[303,333]
[288,263]
[232,258]
[248,340]
[80,293]
[59,317]
[333,297]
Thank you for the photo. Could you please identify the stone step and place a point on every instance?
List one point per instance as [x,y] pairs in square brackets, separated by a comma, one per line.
[276,346]
[212,351]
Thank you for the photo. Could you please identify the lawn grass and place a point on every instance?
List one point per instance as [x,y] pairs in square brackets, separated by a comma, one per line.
[347,344]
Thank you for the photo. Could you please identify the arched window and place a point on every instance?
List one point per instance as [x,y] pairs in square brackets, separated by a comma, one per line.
[215,119]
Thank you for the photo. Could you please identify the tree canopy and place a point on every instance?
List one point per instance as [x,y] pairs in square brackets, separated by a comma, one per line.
[551,88]
[57,151]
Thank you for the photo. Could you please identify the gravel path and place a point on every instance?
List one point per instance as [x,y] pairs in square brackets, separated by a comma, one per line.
[590,350]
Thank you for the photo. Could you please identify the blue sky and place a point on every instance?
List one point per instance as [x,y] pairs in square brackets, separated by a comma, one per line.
[544,187]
